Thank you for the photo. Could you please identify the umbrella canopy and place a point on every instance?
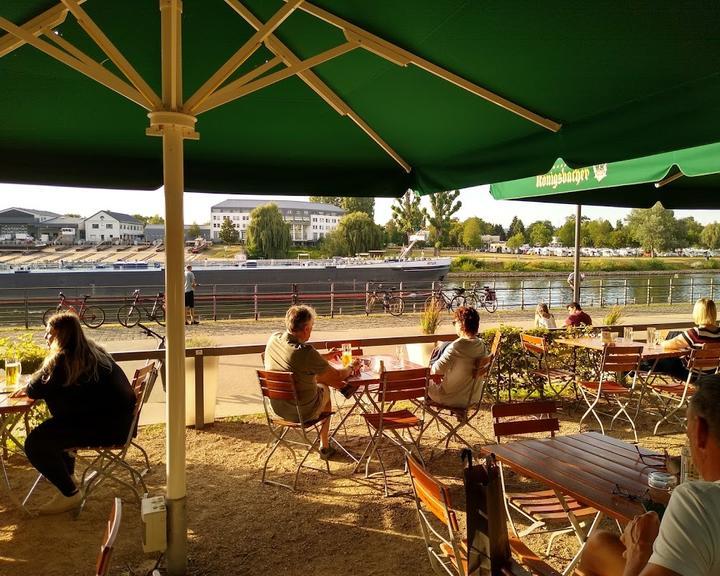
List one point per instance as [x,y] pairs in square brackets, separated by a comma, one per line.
[688,178]
[384,96]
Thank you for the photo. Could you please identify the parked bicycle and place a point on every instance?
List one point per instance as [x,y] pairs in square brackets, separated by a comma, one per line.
[91,316]
[391,302]
[444,301]
[484,297]
[130,314]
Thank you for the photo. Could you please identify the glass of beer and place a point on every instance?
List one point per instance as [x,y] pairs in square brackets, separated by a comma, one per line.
[628,333]
[651,336]
[346,355]
[13,369]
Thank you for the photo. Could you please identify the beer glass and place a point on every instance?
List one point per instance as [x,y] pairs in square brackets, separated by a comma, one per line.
[651,336]
[628,333]
[346,355]
[13,369]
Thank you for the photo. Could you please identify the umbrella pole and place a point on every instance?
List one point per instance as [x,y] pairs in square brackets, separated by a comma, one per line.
[576,263]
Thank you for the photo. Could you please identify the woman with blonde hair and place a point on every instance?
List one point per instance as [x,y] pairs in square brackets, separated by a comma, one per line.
[543,317]
[90,400]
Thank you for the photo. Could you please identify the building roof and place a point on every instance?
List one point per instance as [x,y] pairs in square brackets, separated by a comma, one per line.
[32,211]
[251,203]
[119,216]
[186,226]
[62,220]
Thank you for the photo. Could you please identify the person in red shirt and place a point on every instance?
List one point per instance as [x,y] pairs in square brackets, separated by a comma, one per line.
[576,316]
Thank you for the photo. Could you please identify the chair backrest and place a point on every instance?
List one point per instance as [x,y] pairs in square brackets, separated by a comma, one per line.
[621,358]
[432,498]
[480,373]
[142,383]
[705,358]
[495,346]
[276,385]
[407,384]
[525,418]
[535,345]
[111,531]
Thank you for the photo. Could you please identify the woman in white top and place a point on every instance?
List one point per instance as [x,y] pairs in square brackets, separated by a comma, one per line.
[457,361]
[543,318]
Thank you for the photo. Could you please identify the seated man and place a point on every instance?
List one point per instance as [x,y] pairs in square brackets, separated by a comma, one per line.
[456,361]
[687,541]
[576,316]
[288,351]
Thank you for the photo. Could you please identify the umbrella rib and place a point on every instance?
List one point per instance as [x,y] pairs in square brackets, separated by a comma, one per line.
[243,53]
[317,85]
[398,55]
[36,26]
[111,51]
[91,68]
[239,88]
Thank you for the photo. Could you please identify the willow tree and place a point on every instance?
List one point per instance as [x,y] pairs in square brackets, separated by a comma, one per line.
[268,235]
[444,205]
[407,213]
[359,233]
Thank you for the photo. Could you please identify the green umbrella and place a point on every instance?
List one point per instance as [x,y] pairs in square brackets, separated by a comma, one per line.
[688,178]
[360,97]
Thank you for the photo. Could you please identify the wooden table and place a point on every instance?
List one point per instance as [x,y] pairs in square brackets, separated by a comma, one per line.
[590,467]
[649,352]
[12,411]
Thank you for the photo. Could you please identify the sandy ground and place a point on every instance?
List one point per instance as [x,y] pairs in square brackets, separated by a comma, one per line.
[335,524]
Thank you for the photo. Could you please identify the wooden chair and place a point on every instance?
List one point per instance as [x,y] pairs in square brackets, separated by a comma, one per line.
[543,509]
[102,567]
[448,551]
[440,413]
[616,363]
[281,386]
[673,395]
[107,462]
[388,423]
[538,370]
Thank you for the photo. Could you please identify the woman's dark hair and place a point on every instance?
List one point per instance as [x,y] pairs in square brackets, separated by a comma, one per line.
[468,318]
[575,305]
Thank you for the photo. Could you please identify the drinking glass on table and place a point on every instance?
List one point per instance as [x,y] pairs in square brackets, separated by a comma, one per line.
[651,336]
[628,333]
[13,369]
[346,355]
[400,355]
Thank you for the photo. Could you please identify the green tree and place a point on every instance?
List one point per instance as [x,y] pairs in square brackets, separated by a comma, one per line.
[598,232]
[472,232]
[194,231]
[498,230]
[540,233]
[228,233]
[392,233]
[710,237]
[516,227]
[566,233]
[444,205]
[688,232]
[654,229]
[366,205]
[407,213]
[334,200]
[155,219]
[268,235]
[359,233]
[455,236]
[516,241]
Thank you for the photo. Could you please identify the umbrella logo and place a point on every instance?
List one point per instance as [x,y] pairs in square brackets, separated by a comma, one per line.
[600,171]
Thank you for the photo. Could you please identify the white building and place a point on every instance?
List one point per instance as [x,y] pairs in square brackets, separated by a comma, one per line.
[114,226]
[308,221]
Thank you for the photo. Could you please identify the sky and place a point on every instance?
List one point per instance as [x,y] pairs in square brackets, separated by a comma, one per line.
[475,202]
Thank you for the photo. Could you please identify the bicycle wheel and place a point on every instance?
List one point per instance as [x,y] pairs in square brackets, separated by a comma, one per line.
[471,300]
[159,315]
[128,315]
[49,312]
[434,300]
[490,305]
[369,306]
[456,302]
[93,317]
[395,305]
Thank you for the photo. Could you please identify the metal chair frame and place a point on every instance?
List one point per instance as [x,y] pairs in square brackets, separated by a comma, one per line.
[387,423]
[616,362]
[538,370]
[277,385]
[102,567]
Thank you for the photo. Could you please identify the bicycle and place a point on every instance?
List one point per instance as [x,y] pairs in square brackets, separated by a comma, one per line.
[91,316]
[391,303]
[485,298]
[130,314]
[441,300]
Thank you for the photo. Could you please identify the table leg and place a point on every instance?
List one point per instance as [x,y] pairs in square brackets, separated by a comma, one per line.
[7,424]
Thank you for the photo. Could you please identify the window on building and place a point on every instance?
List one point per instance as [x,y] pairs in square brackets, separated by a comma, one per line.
[96,226]
[108,226]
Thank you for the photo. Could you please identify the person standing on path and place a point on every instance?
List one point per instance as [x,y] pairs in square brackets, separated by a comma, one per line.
[190,285]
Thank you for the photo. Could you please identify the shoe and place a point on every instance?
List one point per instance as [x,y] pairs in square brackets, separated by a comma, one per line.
[187,323]
[195,322]
[348,390]
[327,453]
[61,503]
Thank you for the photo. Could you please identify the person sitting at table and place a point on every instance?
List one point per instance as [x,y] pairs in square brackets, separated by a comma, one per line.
[90,400]
[705,331]
[687,540]
[577,316]
[456,361]
[543,317]
[289,351]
